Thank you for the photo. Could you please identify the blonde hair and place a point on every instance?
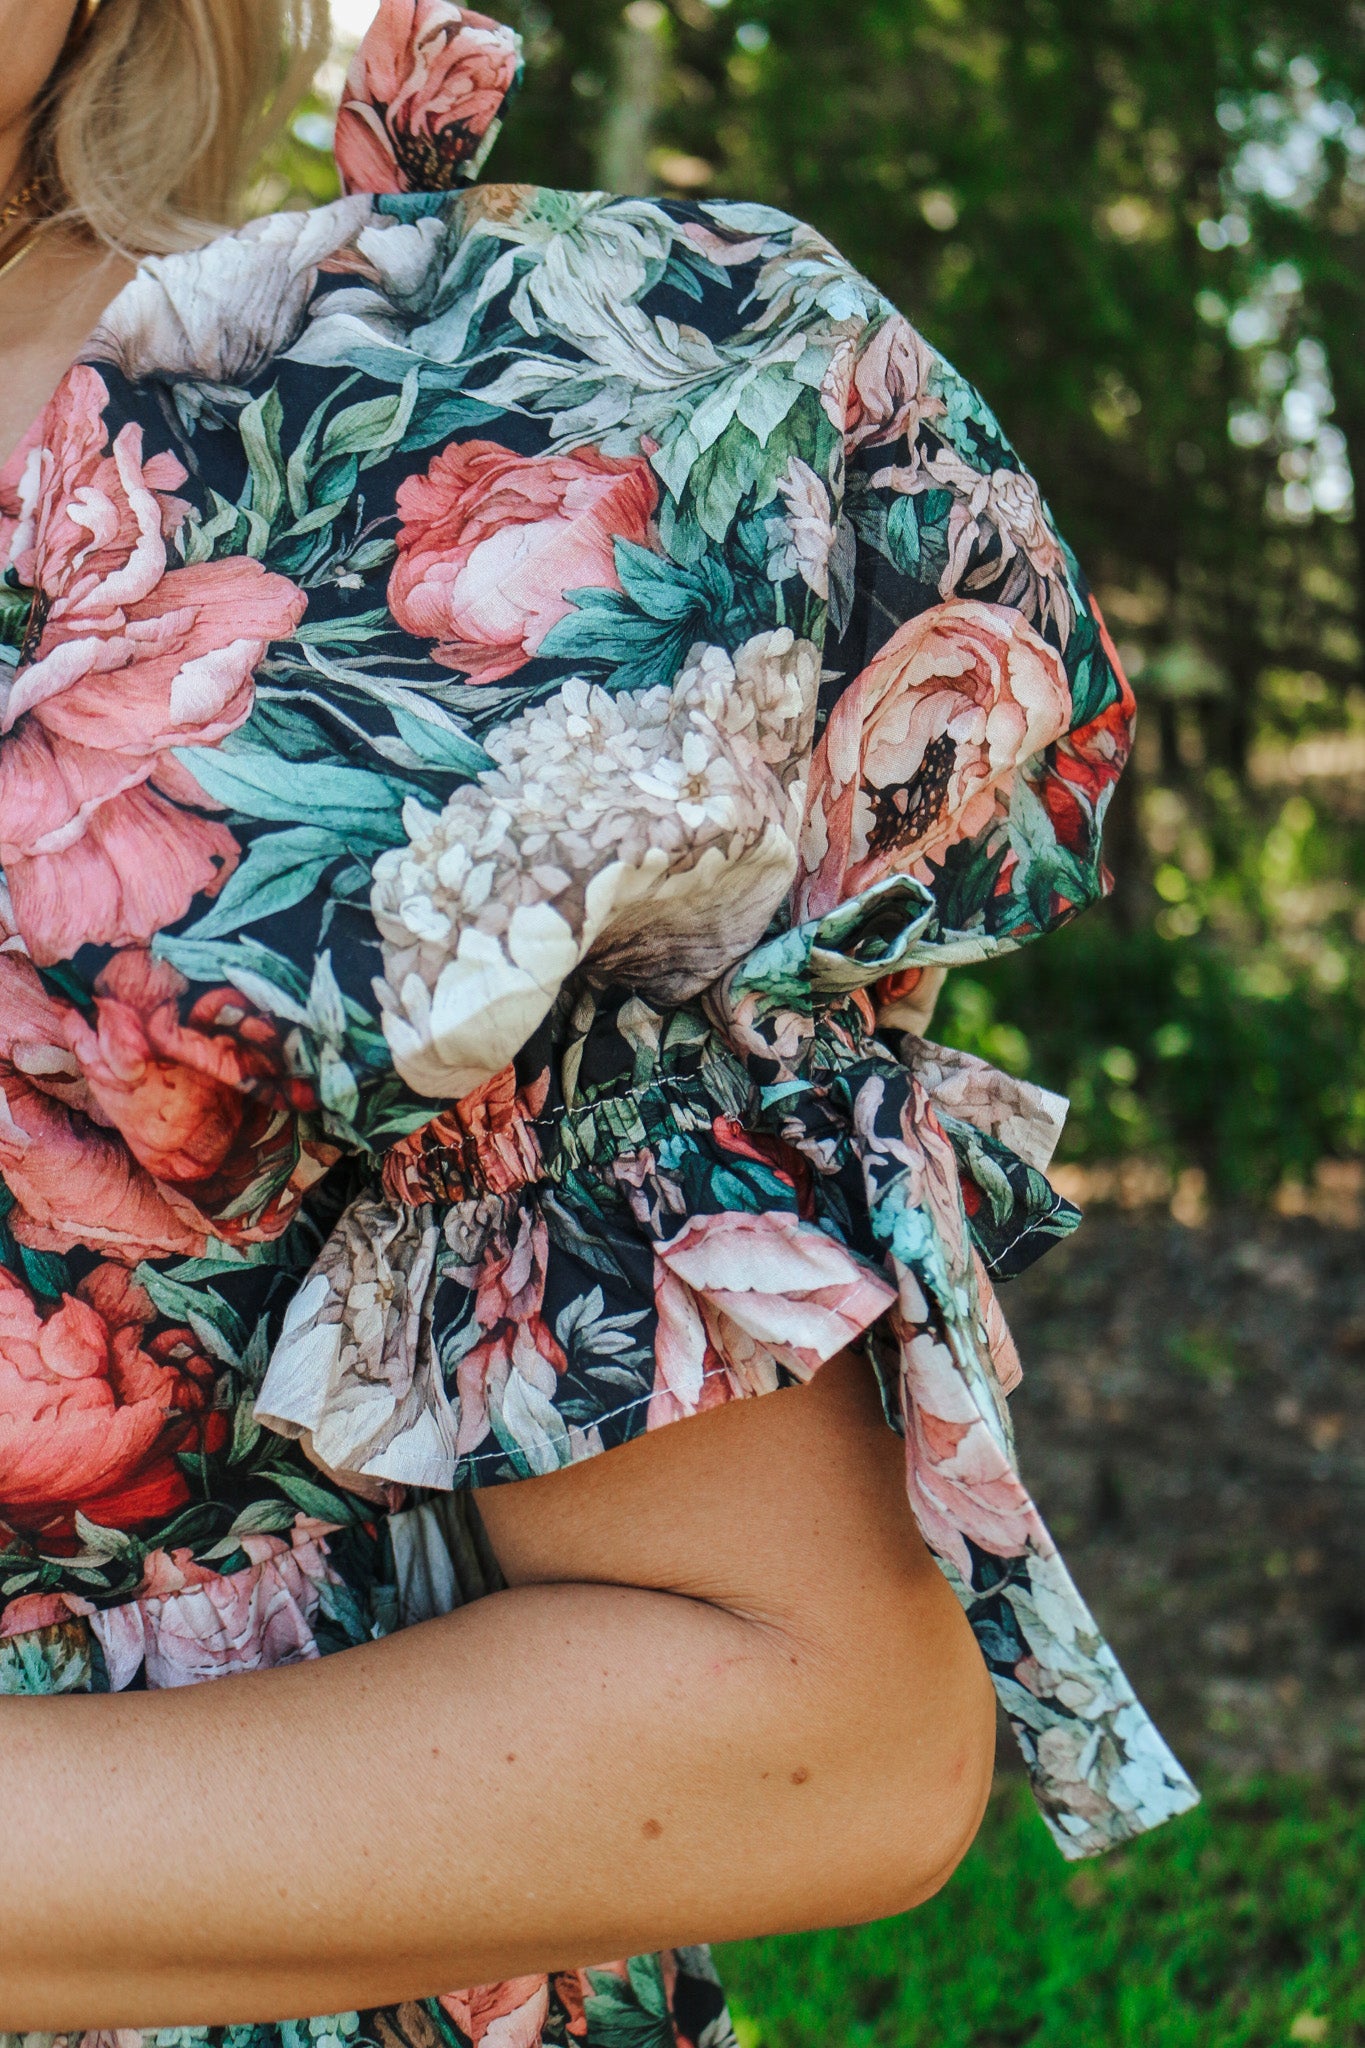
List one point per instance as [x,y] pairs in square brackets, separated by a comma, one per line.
[150,128]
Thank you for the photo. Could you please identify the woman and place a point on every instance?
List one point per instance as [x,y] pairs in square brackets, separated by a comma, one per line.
[512,701]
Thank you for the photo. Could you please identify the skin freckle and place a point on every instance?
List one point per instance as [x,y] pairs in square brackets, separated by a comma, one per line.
[800,1775]
[652,1830]
[511,1756]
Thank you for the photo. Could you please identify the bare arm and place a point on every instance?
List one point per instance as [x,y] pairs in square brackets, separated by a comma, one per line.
[728,1692]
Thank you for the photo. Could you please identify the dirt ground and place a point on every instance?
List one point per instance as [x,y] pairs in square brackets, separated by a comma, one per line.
[1192,1423]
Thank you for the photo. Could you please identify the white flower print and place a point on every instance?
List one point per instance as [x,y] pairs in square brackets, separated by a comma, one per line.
[650,834]
[222,312]
[803,539]
[1026,568]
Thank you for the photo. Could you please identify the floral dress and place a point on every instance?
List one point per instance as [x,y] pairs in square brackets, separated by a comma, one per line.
[511,701]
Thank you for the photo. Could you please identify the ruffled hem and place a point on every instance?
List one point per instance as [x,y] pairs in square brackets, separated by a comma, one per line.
[721,1203]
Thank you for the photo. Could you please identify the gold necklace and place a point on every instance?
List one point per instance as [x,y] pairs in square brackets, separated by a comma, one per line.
[31,229]
[21,199]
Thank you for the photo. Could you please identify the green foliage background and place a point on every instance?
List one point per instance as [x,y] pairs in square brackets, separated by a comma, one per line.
[1239,1927]
[1139,225]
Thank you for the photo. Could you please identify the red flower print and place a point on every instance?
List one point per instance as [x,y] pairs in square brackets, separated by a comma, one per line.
[1090,760]
[73,1179]
[91,1415]
[922,749]
[573,1990]
[206,1106]
[425,88]
[486,1140]
[129,660]
[492,543]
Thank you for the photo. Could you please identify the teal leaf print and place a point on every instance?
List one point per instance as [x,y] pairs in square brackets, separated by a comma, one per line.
[264,977]
[632,2013]
[321,1502]
[261,785]
[280,870]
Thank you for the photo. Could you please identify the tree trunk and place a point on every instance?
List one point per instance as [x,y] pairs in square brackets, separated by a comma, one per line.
[623,148]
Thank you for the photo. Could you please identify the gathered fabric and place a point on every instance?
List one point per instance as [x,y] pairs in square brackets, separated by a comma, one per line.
[511,702]
[732,1200]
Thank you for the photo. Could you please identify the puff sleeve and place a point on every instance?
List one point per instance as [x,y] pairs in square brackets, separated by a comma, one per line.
[812,704]
[976,714]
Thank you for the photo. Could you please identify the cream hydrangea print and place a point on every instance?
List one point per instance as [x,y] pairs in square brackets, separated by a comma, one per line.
[643,834]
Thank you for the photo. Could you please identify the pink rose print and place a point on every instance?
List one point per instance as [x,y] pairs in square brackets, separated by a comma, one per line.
[91,1414]
[922,750]
[930,1178]
[73,1179]
[1000,1344]
[738,1295]
[508,2015]
[960,1478]
[509,1295]
[424,91]
[888,394]
[95,839]
[32,1611]
[189,1623]
[491,542]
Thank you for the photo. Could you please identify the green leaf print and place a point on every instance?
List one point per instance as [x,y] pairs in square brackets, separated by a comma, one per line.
[1093,687]
[437,741]
[902,535]
[46,1273]
[369,430]
[264,977]
[214,1322]
[327,793]
[16,608]
[280,870]
[318,1501]
[263,500]
[632,2013]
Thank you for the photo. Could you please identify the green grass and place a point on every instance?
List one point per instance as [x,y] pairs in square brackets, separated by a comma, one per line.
[1240,1926]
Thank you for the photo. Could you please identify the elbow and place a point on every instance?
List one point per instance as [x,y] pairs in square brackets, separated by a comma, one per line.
[912,1745]
[928,1816]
